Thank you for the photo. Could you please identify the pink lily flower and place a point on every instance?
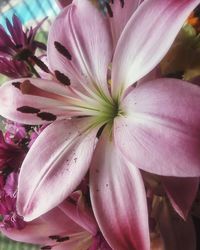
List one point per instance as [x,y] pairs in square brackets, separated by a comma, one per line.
[153,126]
[73,228]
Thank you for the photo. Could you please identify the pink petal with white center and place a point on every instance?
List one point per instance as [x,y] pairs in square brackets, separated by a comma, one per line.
[40,230]
[160,130]
[79,212]
[121,15]
[118,198]
[181,192]
[58,160]
[33,101]
[80,45]
[146,39]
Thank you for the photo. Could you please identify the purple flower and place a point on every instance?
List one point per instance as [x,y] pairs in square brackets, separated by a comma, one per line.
[35,134]
[10,218]
[19,44]
[17,49]
[11,156]
[13,68]
[15,132]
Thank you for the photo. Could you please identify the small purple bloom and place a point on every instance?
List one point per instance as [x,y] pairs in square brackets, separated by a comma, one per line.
[35,134]
[17,49]
[10,218]
[13,68]
[11,156]
[19,44]
[15,132]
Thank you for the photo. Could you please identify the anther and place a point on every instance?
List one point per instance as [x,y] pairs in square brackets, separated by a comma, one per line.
[62,50]
[16,84]
[62,78]
[109,10]
[63,239]
[28,110]
[122,3]
[100,131]
[46,248]
[54,237]
[46,116]
[40,64]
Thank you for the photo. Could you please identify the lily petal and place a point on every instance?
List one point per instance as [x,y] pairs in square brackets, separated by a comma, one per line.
[75,45]
[25,100]
[121,15]
[64,150]
[118,199]
[36,232]
[146,39]
[80,213]
[181,192]
[80,241]
[162,124]
[39,231]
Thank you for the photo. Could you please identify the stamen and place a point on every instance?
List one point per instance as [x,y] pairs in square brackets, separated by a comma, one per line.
[62,78]
[25,86]
[28,110]
[100,131]
[63,239]
[122,3]
[40,64]
[47,116]
[16,84]
[54,237]
[46,248]
[62,50]
[109,10]
[24,54]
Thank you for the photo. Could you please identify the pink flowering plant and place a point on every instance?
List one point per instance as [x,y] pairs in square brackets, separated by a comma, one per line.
[101,149]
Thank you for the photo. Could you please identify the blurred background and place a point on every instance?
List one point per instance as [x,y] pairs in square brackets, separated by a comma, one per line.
[30,12]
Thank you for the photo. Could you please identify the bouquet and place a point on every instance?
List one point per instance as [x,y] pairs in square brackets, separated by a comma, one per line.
[100,143]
